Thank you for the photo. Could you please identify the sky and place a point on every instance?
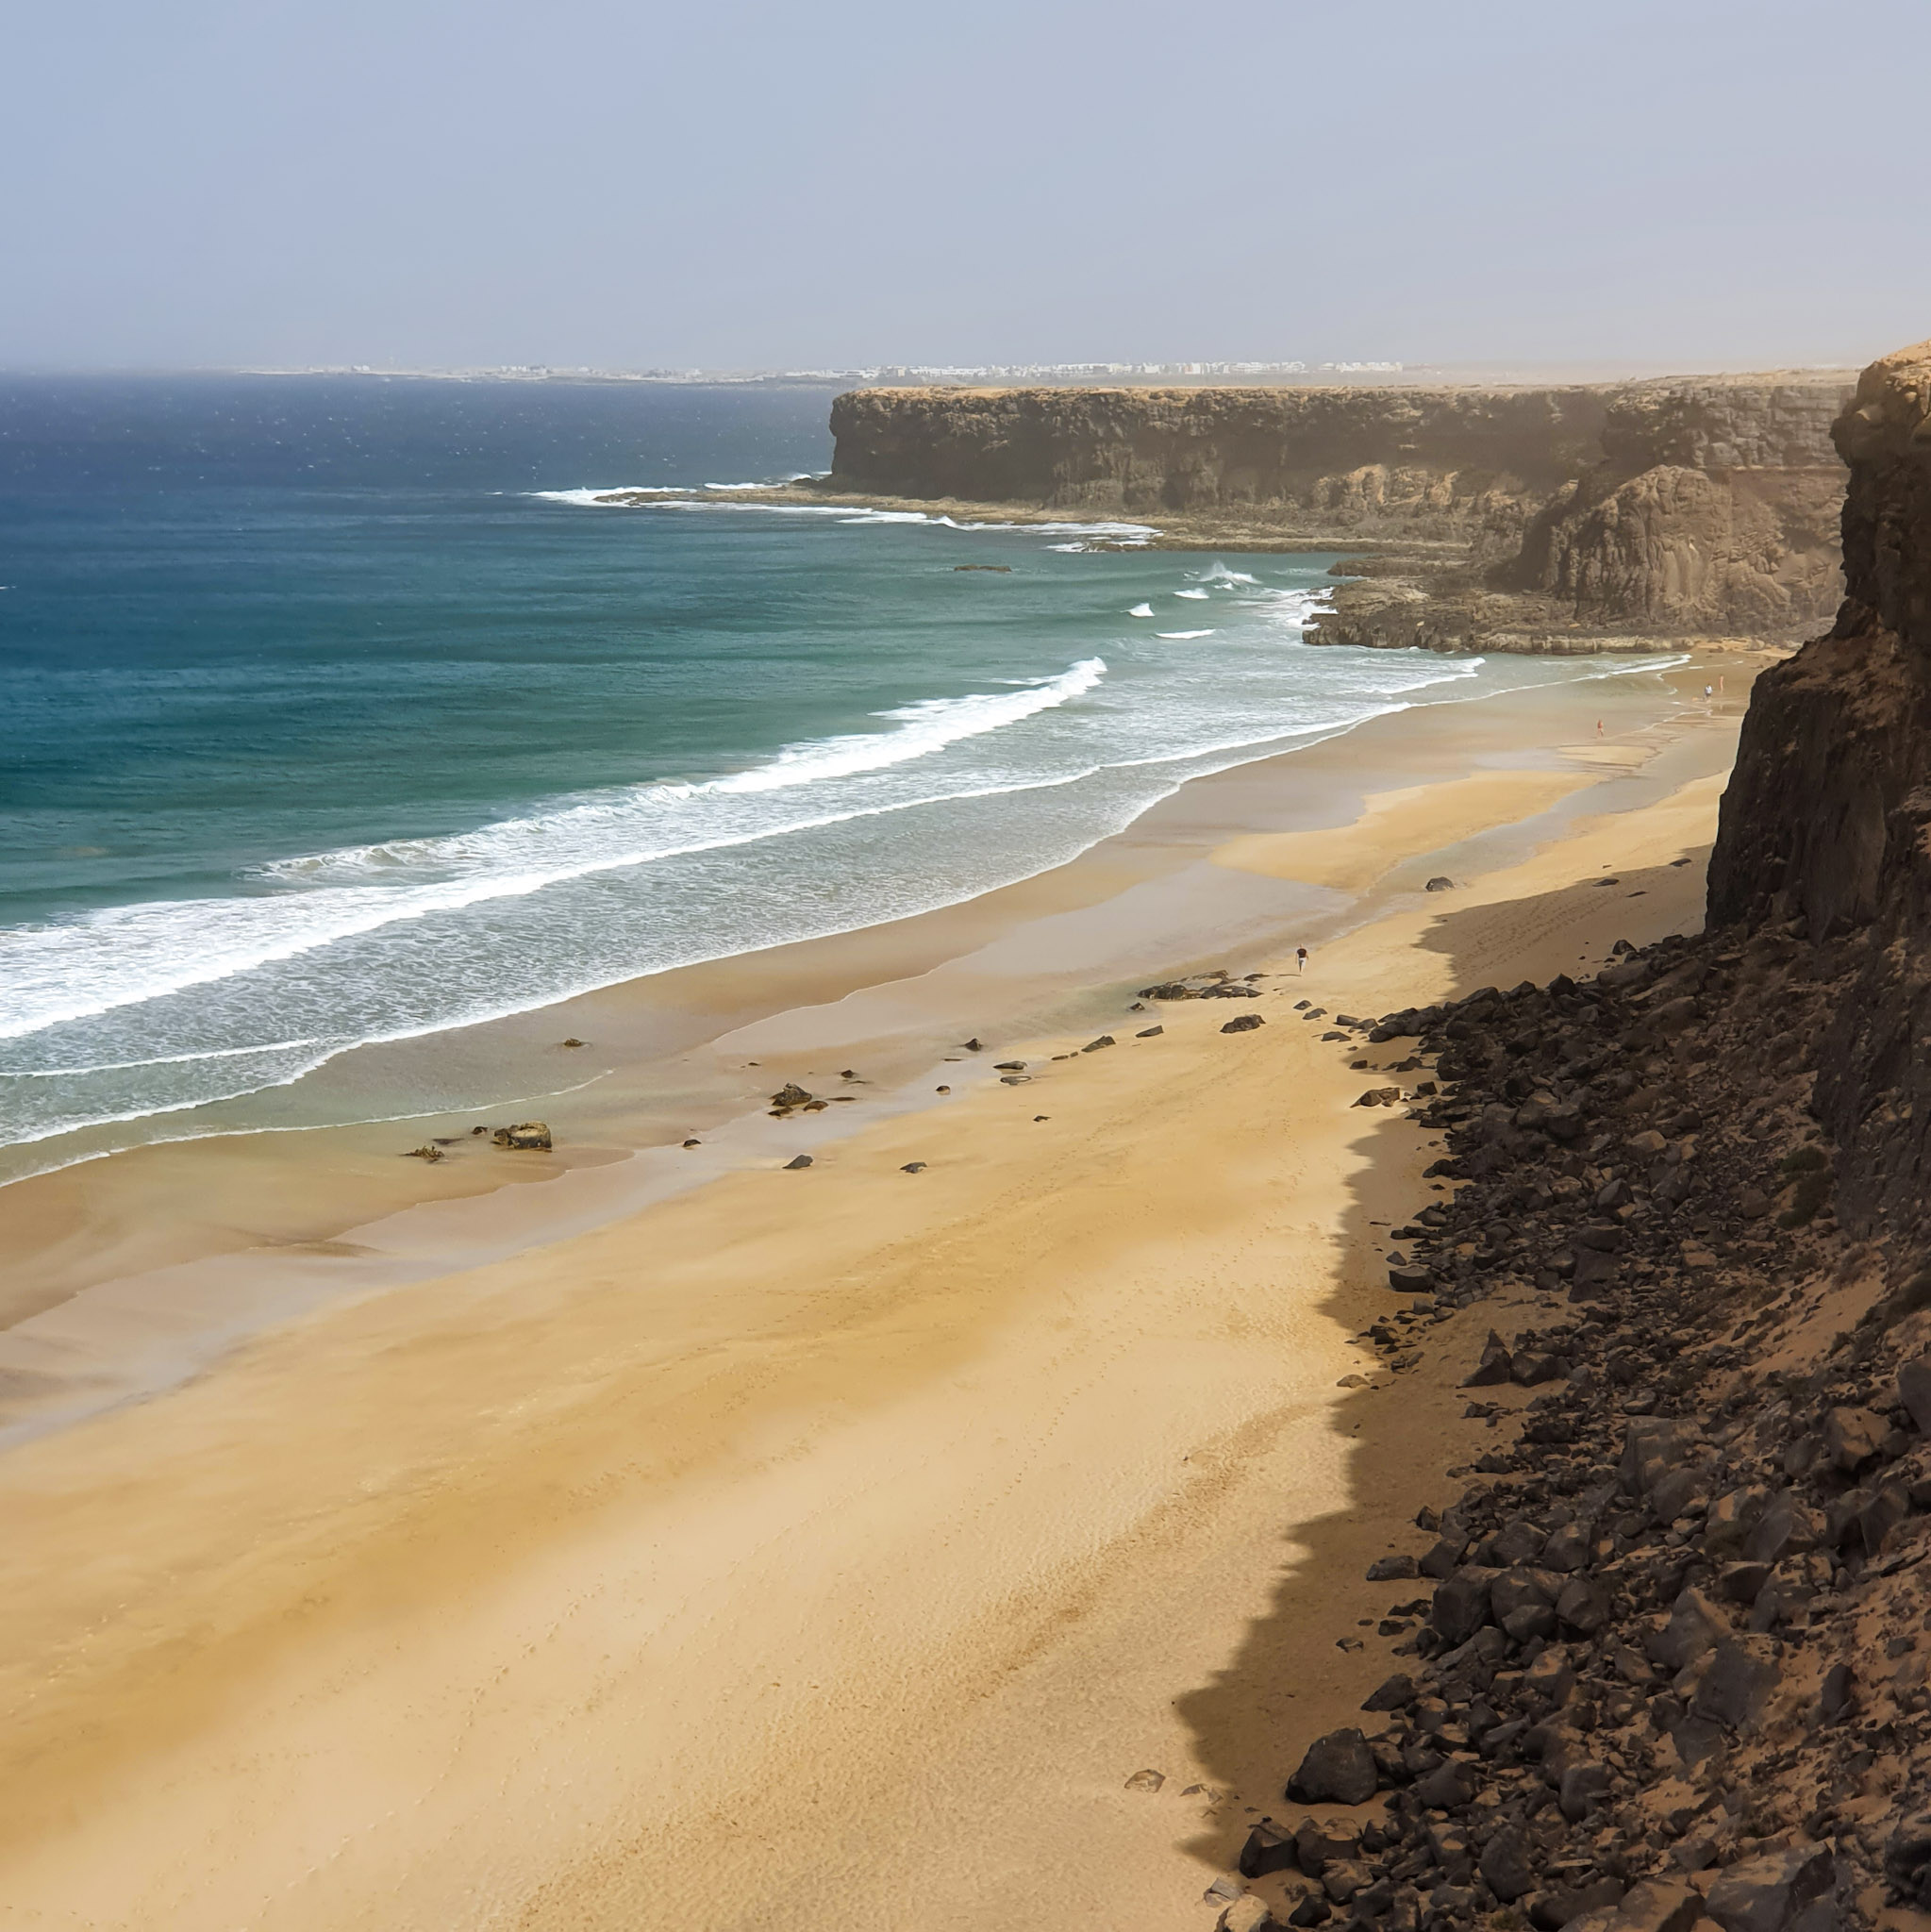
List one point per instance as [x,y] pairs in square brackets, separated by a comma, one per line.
[421,183]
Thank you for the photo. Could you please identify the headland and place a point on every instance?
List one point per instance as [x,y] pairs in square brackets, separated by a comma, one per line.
[1576,517]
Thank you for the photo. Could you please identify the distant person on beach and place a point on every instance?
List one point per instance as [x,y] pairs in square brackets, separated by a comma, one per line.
[1300,959]
[1710,691]
[1599,728]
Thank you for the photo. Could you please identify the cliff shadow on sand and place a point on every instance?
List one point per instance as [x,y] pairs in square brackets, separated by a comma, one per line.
[1661,1661]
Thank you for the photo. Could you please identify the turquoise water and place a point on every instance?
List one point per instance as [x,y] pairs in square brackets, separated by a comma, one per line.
[337,711]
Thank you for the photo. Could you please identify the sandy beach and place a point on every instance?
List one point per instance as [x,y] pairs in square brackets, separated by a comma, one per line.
[656,1537]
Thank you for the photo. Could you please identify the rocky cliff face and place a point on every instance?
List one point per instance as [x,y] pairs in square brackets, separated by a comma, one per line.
[1670,1668]
[1535,519]
[1825,826]
[1433,463]
[1715,507]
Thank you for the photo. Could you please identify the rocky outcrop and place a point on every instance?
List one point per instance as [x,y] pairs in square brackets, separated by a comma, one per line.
[1449,464]
[1573,518]
[1661,1659]
[1823,828]
[1667,1668]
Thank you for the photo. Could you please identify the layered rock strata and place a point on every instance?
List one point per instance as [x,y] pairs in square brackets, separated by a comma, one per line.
[1574,518]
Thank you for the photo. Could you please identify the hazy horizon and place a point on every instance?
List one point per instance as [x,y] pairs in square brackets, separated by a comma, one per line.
[429,186]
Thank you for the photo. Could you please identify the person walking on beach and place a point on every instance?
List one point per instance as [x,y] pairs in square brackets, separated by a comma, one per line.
[1599,728]
[1300,959]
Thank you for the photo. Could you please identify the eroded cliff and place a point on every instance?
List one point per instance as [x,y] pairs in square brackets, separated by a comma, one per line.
[1575,517]
[1825,826]
[1667,1664]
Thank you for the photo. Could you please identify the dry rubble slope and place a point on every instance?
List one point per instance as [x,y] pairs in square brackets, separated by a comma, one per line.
[1555,519]
[1667,1662]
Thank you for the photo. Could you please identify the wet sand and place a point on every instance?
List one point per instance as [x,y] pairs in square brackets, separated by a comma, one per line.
[713,1545]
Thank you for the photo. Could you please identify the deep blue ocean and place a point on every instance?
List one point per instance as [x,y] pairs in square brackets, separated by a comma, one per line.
[336,710]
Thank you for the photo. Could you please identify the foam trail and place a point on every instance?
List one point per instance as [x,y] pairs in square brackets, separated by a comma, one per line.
[126,955]
[1181,636]
[1190,593]
[670,497]
[166,1060]
[597,499]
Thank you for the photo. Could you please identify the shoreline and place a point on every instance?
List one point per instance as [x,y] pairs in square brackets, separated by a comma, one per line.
[1179,887]
[714,1520]
[811,1516]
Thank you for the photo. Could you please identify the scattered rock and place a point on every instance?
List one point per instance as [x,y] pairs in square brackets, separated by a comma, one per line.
[913,1167]
[797,1161]
[1908,1863]
[1769,1894]
[1244,1023]
[1248,1914]
[534,1134]
[1149,1033]
[1397,1694]
[1146,1781]
[1496,1365]
[1852,1437]
[1391,1569]
[1095,1045]
[1338,1769]
[1440,884]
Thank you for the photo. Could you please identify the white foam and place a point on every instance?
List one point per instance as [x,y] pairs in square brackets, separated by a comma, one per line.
[1190,593]
[926,726]
[607,498]
[1141,610]
[1217,572]
[1181,636]
[668,496]
[126,955]
[165,1059]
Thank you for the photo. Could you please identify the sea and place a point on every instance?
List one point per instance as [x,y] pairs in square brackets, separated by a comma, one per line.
[337,709]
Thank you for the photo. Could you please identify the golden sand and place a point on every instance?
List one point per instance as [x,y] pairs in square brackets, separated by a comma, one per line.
[824,1548]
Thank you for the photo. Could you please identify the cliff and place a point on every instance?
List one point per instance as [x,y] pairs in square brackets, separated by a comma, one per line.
[1576,517]
[1438,464]
[1675,1624]
[1823,828]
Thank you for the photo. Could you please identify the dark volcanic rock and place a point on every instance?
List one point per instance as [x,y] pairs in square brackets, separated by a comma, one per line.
[1339,1768]
[1769,1894]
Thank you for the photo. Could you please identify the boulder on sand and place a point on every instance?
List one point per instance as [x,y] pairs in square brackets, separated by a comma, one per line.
[1339,1768]
[524,1134]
